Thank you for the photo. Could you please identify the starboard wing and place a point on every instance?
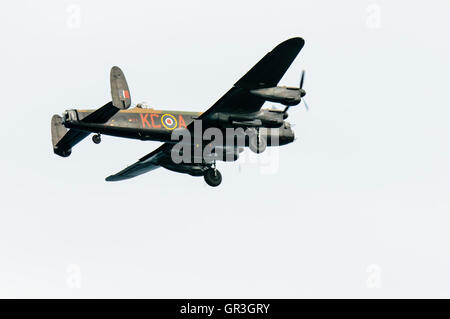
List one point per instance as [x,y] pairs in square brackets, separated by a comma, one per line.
[266,73]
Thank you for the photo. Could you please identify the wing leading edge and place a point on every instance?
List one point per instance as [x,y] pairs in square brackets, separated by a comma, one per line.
[271,68]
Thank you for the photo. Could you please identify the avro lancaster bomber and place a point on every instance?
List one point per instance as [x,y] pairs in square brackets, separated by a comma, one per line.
[240,108]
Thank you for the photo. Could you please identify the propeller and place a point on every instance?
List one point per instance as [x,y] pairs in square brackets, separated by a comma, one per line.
[306,104]
[301,92]
[302,78]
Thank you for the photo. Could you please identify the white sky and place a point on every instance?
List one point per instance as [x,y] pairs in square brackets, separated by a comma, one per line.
[358,207]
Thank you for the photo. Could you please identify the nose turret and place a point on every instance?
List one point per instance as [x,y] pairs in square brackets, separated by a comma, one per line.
[286,134]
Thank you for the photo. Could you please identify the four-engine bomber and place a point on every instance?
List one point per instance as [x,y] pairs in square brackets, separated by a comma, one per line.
[237,116]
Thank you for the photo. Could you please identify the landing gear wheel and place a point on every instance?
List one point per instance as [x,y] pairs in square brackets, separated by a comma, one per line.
[66,153]
[257,143]
[96,138]
[212,177]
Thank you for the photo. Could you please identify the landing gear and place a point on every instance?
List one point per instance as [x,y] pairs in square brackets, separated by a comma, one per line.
[66,153]
[257,143]
[96,138]
[212,176]
[63,153]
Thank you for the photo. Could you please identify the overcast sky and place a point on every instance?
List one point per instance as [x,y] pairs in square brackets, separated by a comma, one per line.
[357,206]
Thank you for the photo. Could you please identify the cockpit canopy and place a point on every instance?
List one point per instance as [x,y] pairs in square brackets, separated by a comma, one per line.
[143,105]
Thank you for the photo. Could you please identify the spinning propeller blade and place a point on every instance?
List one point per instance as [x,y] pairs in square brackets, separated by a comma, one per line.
[302,78]
[306,105]
[301,92]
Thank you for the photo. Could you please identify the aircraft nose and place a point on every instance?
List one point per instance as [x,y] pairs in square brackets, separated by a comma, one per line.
[287,134]
[291,136]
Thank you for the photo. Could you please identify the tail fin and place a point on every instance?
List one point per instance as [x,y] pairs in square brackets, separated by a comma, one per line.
[58,132]
[64,140]
[120,93]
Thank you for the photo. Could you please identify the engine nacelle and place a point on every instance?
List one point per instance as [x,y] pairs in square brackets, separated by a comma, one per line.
[224,153]
[280,94]
[191,169]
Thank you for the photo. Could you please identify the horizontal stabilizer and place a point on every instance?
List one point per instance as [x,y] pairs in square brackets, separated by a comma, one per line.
[73,137]
[64,140]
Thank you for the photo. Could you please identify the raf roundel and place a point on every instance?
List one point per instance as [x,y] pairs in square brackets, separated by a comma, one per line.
[169,121]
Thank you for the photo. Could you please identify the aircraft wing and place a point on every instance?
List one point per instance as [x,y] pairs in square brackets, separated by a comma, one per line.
[146,164]
[266,73]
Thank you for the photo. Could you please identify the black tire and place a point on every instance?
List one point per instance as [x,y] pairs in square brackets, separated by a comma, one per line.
[213,177]
[65,153]
[96,138]
[257,143]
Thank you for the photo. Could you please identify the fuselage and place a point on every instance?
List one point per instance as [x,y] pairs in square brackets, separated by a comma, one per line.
[157,125]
